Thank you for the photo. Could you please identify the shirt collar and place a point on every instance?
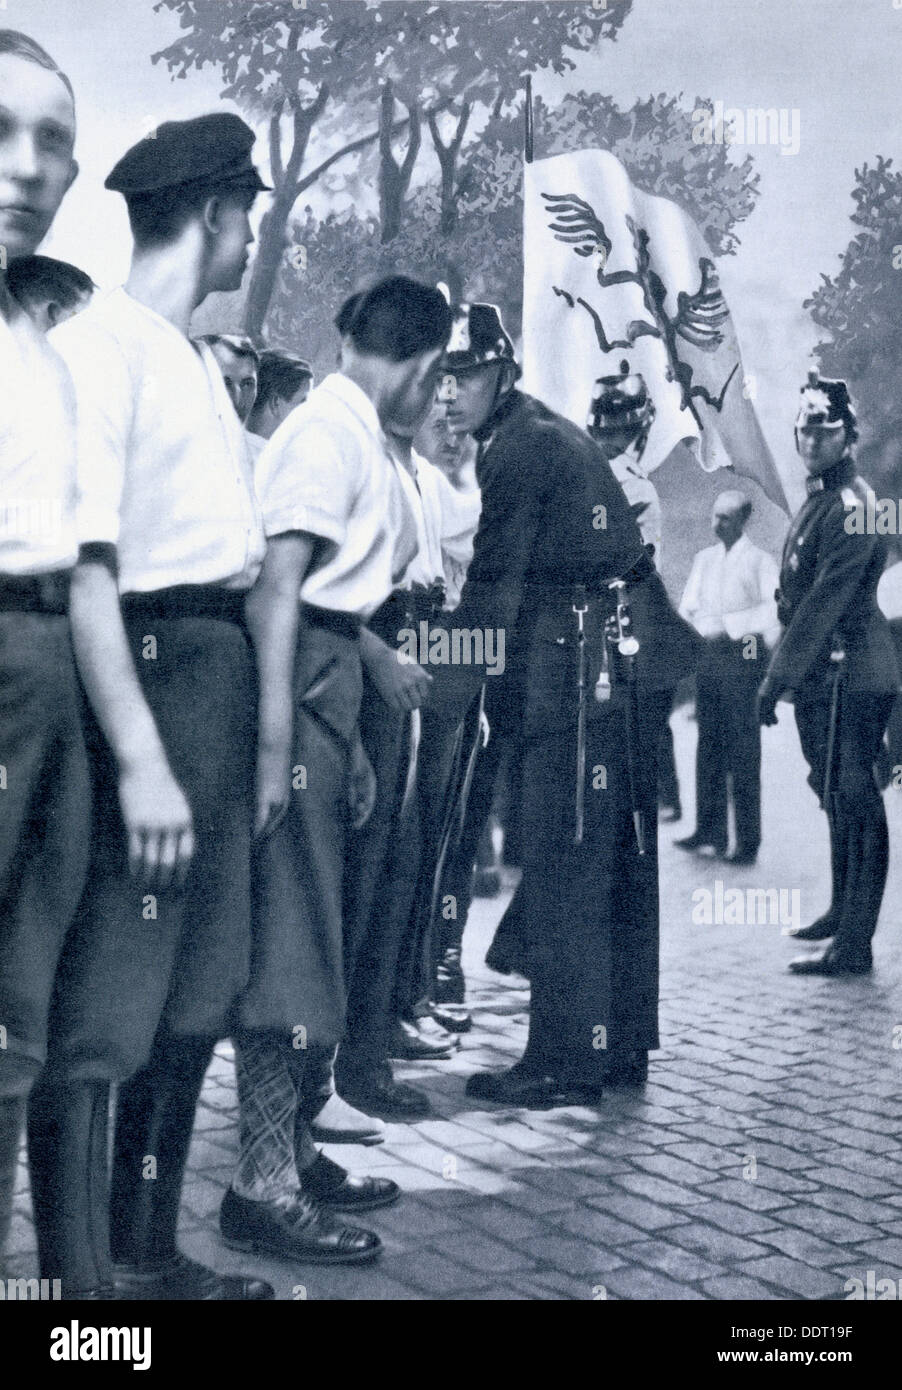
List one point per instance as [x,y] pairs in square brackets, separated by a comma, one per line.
[356,400]
[737,547]
[837,476]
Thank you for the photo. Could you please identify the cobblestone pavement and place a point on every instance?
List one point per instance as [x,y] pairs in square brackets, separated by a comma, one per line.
[760,1162]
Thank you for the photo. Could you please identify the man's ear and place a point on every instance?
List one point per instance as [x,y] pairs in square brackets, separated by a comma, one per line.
[53,312]
[508,378]
[211,218]
[73,174]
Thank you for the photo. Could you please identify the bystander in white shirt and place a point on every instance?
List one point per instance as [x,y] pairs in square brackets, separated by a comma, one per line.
[732,592]
[446,522]
[163,467]
[37,454]
[328,471]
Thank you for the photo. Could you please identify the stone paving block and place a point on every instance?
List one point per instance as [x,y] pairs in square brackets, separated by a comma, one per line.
[499,1219]
[802,1245]
[731,1287]
[644,1284]
[724,1247]
[797,1278]
[832,1225]
[739,1192]
[676,1169]
[731,1217]
[637,1211]
[483,1253]
[429,1272]
[657,1190]
[888,1252]
[598,1226]
[859,1183]
[574,1257]
[672,1260]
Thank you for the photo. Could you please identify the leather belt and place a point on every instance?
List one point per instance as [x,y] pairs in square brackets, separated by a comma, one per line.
[37,593]
[187,601]
[406,608]
[333,620]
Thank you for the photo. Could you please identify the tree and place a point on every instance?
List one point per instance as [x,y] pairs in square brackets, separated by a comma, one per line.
[861,310]
[481,256]
[325,67]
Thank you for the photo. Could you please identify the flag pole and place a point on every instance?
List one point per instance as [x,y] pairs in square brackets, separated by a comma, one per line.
[528,126]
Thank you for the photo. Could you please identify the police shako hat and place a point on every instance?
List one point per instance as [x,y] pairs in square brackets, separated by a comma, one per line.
[214,149]
[478,339]
[619,403]
[825,404]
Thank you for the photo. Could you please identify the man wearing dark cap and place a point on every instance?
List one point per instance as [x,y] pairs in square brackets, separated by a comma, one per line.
[171,541]
[44,788]
[837,662]
[556,532]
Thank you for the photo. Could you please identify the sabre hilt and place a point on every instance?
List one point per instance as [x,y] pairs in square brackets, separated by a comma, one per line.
[622,626]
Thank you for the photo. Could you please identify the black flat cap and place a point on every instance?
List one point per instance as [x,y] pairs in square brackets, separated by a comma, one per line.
[214,148]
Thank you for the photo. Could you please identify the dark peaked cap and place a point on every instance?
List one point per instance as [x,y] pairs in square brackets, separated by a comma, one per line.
[214,148]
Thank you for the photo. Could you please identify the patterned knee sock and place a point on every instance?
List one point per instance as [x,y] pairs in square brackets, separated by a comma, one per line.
[267,1101]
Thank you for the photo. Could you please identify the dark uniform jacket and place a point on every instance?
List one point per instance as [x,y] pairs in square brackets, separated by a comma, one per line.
[554,518]
[827,594]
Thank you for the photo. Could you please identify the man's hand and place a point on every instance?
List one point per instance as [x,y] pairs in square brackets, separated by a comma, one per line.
[158,823]
[767,704]
[402,683]
[273,789]
[361,786]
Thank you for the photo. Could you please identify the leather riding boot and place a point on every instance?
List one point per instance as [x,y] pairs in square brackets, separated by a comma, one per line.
[12,1121]
[866,870]
[67,1155]
[154,1123]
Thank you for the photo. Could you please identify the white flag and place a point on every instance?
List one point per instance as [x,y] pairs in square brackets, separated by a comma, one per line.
[613,274]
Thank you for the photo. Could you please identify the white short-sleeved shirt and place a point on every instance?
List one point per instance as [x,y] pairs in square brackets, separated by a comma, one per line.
[164,472]
[446,523]
[328,471]
[37,454]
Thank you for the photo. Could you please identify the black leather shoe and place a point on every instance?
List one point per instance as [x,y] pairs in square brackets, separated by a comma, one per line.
[741,858]
[454,1018]
[692,843]
[821,930]
[336,1189]
[185,1280]
[513,1087]
[376,1092]
[294,1227]
[832,963]
[422,1040]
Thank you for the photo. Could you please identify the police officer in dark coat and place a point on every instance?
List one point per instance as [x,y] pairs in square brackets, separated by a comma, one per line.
[556,532]
[836,660]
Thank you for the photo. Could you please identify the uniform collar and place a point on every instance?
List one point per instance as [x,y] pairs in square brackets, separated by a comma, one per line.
[502,410]
[832,478]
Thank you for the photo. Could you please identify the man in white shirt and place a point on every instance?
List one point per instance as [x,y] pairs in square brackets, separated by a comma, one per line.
[45,820]
[341,535]
[283,383]
[171,540]
[729,599]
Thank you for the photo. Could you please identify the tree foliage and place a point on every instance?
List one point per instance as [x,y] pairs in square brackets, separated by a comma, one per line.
[860,308]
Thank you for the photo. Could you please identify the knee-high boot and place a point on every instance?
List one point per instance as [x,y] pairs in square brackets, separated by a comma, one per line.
[154,1123]
[67,1155]
[12,1120]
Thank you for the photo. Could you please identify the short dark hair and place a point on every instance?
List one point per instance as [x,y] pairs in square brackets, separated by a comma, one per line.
[397,318]
[159,216]
[21,46]
[281,376]
[34,280]
[235,342]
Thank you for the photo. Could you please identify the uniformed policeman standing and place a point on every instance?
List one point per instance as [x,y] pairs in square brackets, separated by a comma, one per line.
[836,660]
[555,533]
[171,541]
[44,789]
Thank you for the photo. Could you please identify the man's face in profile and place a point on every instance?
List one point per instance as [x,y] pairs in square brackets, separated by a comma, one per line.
[37,137]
